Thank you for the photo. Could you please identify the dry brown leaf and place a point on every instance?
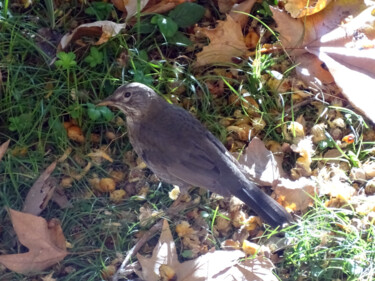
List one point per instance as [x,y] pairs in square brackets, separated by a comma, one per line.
[225,5]
[296,195]
[219,265]
[104,29]
[101,154]
[48,277]
[348,49]
[60,198]
[3,148]
[41,192]
[302,8]
[260,163]
[45,241]
[129,6]
[226,42]
[162,6]
[238,10]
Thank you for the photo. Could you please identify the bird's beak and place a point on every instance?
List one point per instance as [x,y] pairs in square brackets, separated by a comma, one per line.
[106,102]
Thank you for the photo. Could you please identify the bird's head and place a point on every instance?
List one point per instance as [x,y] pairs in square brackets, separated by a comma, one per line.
[133,99]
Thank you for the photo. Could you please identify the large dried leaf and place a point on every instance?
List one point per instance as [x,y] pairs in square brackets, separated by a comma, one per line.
[260,163]
[226,42]
[45,241]
[129,6]
[217,265]
[161,7]
[103,29]
[347,49]
[302,8]
[296,195]
[3,148]
[41,192]
[239,12]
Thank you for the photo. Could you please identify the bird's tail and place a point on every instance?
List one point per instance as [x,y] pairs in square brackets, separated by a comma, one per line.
[262,204]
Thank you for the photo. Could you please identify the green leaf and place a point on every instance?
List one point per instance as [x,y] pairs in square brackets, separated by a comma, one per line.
[101,10]
[141,77]
[21,122]
[144,27]
[142,55]
[93,114]
[66,60]
[187,14]
[188,254]
[75,110]
[95,57]
[166,25]
[106,113]
[180,39]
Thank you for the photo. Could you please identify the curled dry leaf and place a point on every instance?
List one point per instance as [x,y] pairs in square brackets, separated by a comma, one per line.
[162,6]
[302,8]
[3,148]
[239,12]
[215,265]
[101,154]
[41,192]
[226,42]
[129,6]
[348,49]
[105,29]
[260,164]
[45,241]
[296,195]
[75,133]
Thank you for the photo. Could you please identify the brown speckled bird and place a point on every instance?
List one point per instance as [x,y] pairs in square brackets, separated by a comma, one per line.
[180,151]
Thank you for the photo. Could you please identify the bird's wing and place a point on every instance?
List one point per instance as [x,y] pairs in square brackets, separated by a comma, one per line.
[180,147]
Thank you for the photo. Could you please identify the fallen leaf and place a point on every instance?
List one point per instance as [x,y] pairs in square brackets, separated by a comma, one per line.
[162,6]
[296,195]
[101,154]
[41,192]
[348,50]
[239,12]
[302,8]
[225,5]
[3,148]
[104,29]
[45,241]
[215,265]
[260,163]
[75,133]
[226,42]
[60,198]
[48,277]
[129,6]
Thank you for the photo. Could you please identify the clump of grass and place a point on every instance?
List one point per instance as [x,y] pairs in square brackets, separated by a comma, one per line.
[329,244]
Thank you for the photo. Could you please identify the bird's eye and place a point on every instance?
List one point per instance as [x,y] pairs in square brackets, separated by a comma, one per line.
[127,94]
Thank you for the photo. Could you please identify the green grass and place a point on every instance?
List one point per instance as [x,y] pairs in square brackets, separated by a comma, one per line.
[329,244]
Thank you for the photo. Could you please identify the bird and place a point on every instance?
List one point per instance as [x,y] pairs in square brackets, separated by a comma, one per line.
[181,151]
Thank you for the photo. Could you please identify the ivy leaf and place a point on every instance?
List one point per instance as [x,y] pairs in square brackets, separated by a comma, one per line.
[144,27]
[95,57]
[101,10]
[21,122]
[93,114]
[187,14]
[66,60]
[75,111]
[166,25]
[106,113]
[180,39]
